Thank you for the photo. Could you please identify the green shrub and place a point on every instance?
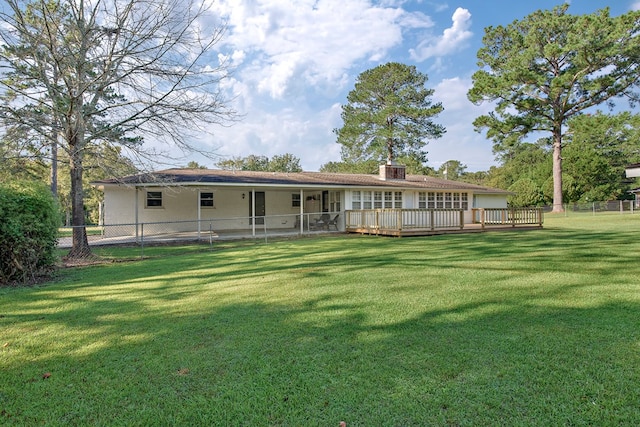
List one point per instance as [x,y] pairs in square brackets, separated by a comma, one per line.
[28,231]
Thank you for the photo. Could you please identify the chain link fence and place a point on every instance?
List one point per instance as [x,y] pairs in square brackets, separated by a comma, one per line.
[598,208]
[206,232]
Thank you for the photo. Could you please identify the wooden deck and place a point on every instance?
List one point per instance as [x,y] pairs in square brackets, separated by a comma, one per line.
[429,222]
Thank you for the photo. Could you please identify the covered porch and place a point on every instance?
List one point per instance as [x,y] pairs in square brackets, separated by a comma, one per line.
[423,222]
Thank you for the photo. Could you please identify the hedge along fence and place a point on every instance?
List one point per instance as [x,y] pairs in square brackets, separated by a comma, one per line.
[28,231]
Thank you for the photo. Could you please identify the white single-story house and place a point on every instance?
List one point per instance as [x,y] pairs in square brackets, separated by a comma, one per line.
[243,200]
[633,171]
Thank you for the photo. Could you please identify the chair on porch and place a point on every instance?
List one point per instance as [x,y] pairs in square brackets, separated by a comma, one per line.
[333,222]
[322,222]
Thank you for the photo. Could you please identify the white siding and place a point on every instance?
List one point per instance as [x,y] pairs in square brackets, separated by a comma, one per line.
[489,201]
[633,172]
[230,209]
[119,205]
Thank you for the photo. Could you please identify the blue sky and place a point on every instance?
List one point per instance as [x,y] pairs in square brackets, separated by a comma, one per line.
[296,60]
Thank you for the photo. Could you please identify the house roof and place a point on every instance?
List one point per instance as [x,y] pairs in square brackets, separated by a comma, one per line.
[210,177]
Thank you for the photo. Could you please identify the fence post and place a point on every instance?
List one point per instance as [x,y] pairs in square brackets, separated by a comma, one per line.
[461,219]
[142,240]
[264,223]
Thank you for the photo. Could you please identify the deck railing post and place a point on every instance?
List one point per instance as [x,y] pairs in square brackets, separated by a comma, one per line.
[461,219]
[540,216]
[513,217]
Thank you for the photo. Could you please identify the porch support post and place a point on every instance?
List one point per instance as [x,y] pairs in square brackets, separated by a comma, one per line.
[253,212]
[199,213]
[136,195]
[301,211]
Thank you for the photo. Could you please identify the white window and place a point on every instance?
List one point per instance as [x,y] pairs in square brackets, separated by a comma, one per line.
[334,201]
[377,199]
[397,200]
[295,200]
[431,200]
[206,200]
[422,200]
[154,199]
[388,199]
[448,201]
[366,200]
[356,201]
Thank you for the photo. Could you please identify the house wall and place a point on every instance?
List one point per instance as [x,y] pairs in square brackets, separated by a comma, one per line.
[119,205]
[489,201]
[181,209]
[633,172]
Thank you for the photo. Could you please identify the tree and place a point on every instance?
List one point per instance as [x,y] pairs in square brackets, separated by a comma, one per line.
[195,165]
[525,160]
[278,163]
[81,73]
[285,163]
[451,169]
[388,114]
[598,147]
[552,66]
[526,193]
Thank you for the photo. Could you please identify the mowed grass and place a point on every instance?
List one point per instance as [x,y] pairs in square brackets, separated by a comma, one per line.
[504,328]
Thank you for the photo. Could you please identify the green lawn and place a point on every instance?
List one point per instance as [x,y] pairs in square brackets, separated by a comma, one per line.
[505,328]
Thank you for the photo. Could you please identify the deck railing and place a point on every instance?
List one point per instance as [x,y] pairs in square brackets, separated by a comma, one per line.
[507,216]
[404,219]
[412,220]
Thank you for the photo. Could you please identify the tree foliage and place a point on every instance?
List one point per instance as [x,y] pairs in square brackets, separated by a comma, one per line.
[551,66]
[278,163]
[387,115]
[82,73]
[598,147]
[451,169]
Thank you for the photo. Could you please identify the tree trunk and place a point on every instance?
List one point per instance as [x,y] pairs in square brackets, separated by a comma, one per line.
[558,206]
[80,247]
[54,168]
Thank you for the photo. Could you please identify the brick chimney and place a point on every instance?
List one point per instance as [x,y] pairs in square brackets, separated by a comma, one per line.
[392,170]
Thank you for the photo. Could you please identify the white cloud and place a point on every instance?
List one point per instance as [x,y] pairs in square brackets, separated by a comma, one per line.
[300,131]
[460,142]
[452,39]
[635,6]
[312,42]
